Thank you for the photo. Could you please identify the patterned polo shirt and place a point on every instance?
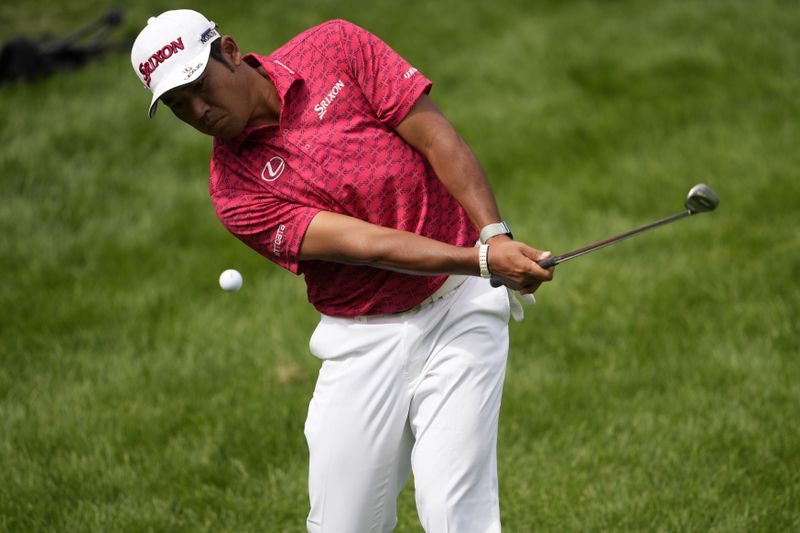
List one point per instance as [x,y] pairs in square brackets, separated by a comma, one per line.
[343,91]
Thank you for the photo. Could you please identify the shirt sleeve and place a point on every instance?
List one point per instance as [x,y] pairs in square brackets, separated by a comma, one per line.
[390,83]
[270,226]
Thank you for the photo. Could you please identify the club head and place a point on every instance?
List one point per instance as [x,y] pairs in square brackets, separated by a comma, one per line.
[701,199]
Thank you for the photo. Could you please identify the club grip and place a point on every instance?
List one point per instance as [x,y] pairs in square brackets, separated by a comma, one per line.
[547,262]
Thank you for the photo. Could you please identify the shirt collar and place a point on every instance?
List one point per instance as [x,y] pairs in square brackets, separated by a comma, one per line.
[281,75]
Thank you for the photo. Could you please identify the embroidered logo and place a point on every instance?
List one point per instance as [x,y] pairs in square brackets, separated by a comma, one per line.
[273,169]
[208,34]
[322,107]
[276,244]
[188,71]
[148,67]
[410,72]
[284,66]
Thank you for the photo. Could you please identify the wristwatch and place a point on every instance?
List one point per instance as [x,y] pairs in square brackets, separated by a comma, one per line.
[492,230]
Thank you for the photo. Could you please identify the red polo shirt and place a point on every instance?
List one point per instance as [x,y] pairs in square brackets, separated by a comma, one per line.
[342,92]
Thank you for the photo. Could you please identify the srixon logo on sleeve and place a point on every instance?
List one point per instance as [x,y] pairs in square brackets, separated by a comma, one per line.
[148,67]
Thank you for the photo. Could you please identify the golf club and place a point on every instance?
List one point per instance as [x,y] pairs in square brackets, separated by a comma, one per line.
[701,198]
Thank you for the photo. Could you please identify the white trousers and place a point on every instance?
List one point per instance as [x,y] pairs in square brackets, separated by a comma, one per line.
[419,390]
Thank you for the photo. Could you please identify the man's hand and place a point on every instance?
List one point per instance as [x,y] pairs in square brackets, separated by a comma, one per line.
[514,264]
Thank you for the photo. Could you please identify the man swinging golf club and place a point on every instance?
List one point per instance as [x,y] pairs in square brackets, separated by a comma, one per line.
[330,159]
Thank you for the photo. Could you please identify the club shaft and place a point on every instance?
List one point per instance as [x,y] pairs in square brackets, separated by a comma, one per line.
[552,261]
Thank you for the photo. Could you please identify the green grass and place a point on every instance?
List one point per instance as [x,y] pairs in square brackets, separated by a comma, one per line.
[656,387]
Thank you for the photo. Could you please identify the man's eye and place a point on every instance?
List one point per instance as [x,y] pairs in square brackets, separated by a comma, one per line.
[176,106]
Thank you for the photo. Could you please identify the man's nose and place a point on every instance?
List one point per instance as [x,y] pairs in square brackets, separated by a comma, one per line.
[198,107]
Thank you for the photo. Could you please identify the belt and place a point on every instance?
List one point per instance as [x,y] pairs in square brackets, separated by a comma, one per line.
[452,283]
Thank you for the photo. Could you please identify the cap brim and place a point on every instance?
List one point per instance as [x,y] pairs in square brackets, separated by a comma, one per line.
[189,72]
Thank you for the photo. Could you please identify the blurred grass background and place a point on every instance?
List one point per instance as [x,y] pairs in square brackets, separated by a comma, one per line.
[655,387]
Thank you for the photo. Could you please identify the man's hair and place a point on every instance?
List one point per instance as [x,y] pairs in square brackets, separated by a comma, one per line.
[216,52]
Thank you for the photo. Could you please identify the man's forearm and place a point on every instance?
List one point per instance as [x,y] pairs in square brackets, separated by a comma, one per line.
[414,254]
[462,175]
[427,130]
[343,239]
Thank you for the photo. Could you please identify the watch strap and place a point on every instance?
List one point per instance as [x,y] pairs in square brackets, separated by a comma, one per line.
[492,230]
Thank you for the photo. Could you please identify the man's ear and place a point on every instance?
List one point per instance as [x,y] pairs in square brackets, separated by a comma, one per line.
[230,50]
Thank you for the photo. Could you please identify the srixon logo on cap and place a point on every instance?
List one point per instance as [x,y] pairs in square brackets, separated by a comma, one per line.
[148,67]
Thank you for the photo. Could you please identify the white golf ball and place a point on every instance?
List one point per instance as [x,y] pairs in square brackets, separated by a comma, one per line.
[230,280]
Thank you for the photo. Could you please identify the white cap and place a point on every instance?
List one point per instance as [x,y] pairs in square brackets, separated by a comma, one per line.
[172,50]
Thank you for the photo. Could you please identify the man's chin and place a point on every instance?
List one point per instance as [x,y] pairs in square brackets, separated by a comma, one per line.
[224,129]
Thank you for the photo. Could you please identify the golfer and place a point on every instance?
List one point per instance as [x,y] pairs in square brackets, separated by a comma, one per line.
[330,159]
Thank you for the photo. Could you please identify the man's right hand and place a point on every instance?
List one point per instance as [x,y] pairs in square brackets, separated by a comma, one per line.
[513,263]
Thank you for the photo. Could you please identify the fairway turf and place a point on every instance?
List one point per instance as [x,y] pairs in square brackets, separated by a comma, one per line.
[656,386]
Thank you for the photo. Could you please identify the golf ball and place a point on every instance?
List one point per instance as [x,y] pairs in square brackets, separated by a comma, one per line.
[230,280]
